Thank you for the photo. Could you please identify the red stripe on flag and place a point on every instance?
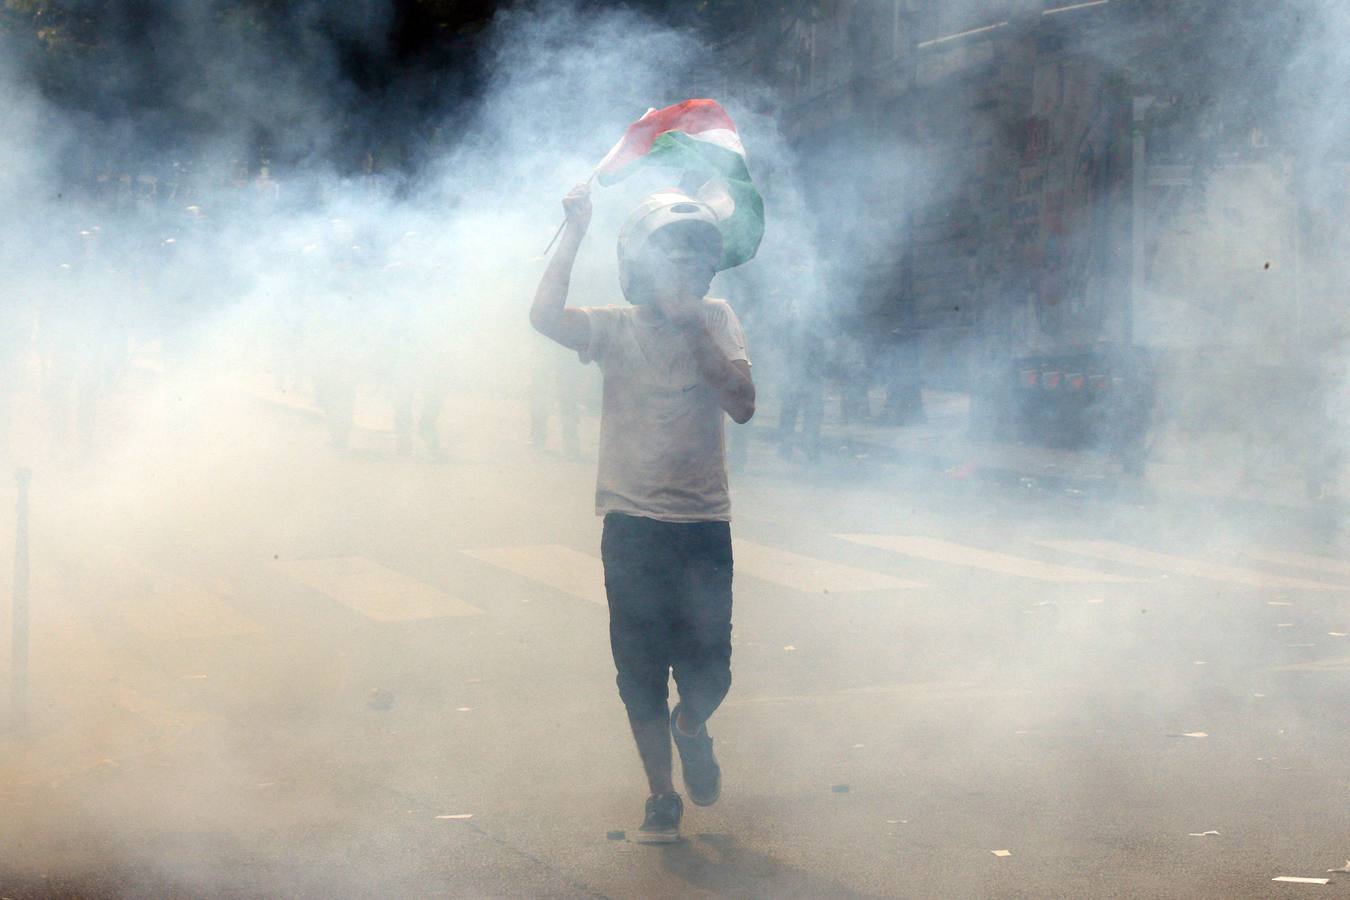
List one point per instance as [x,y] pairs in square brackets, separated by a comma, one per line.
[691,117]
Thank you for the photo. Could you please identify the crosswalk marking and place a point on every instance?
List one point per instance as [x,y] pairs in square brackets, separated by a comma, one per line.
[375,591]
[977,558]
[807,574]
[1299,560]
[169,607]
[561,568]
[1180,565]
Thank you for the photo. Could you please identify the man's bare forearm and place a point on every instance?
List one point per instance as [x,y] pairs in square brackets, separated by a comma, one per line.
[734,388]
[549,313]
[550,298]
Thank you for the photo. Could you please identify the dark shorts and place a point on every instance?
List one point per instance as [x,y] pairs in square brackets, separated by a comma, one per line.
[669,589]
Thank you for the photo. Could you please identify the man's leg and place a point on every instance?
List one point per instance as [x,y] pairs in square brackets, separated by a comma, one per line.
[569,408]
[702,653]
[429,422]
[813,413]
[652,737]
[403,417]
[541,397]
[638,586]
[787,420]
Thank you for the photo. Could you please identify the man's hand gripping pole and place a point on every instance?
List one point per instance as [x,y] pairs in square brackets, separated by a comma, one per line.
[557,234]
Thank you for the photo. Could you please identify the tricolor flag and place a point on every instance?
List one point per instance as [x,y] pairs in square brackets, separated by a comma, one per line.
[698,137]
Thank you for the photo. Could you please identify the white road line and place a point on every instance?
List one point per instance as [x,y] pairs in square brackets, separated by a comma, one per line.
[977,558]
[1299,560]
[1335,664]
[559,567]
[169,607]
[805,573]
[375,591]
[1180,565]
[935,691]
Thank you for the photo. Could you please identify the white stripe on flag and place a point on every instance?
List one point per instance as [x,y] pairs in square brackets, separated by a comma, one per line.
[720,137]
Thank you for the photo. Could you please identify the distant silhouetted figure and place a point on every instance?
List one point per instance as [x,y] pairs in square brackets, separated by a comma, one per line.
[802,387]
[553,385]
[15,332]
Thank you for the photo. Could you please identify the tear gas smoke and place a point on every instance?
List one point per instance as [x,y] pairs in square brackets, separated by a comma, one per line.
[255,232]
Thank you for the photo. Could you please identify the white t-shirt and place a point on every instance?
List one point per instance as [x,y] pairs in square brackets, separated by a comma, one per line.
[662,448]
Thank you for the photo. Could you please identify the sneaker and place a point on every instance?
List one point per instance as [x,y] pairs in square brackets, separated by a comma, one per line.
[662,824]
[702,774]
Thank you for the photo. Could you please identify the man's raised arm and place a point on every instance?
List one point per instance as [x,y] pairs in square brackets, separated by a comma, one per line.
[549,314]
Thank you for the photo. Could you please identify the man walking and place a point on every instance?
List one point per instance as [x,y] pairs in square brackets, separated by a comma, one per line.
[674,362]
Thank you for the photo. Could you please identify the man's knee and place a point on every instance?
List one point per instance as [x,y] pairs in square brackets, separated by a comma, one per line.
[703,687]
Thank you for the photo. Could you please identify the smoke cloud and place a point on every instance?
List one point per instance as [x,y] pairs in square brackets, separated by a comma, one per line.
[232,214]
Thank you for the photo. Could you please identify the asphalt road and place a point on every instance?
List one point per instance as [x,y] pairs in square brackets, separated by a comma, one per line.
[264,669]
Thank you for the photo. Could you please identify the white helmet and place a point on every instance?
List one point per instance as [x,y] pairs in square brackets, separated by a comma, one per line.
[654,212]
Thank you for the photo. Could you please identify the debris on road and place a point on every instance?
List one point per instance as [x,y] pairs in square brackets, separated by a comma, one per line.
[963,471]
[1201,833]
[1001,853]
[617,836]
[839,788]
[1344,868]
[1295,880]
[379,698]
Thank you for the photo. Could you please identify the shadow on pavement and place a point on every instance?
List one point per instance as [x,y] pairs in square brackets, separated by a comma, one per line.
[720,864]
